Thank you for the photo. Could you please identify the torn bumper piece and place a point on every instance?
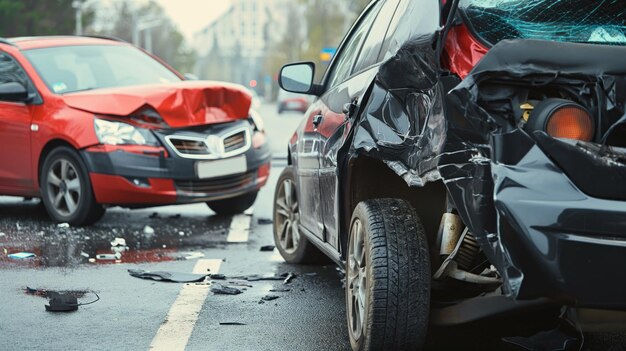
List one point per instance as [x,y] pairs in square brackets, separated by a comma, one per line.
[127,177]
[560,242]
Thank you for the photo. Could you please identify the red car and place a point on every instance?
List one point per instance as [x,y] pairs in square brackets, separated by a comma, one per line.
[92,122]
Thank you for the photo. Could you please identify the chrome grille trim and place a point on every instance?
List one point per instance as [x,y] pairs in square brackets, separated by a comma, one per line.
[215,146]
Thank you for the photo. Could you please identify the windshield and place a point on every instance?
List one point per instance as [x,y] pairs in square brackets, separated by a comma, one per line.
[557,20]
[67,69]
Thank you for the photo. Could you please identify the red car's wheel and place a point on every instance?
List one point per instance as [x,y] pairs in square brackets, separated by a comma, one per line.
[66,189]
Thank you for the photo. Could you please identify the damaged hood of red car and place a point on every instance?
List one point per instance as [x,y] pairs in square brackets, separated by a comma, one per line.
[182,104]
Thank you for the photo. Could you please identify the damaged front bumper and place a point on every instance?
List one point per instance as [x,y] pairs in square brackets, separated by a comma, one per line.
[131,178]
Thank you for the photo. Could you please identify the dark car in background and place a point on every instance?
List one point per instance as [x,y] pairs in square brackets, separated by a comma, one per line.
[91,122]
[464,174]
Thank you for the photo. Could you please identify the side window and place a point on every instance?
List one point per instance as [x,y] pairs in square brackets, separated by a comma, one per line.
[343,64]
[10,71]
[374,42]
[413,19]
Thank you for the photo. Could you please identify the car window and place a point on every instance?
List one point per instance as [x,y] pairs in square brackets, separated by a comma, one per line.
[343,64]
[11,71]
[373,43]
[67,69]
[413,19]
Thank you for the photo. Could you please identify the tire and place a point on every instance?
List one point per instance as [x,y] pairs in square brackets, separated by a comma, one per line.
[292,245]
[234,205]
[393,287]
[66,189]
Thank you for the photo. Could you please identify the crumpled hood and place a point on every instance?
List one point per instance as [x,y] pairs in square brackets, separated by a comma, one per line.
[181,104]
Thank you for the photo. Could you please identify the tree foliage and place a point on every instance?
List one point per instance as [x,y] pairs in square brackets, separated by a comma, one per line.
[39,17]
[167,42]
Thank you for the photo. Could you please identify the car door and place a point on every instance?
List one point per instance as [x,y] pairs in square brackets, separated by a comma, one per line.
[15,120]
[347,80]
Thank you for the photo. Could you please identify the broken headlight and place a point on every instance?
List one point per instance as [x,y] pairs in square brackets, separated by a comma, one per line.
[119,133]
[559,118]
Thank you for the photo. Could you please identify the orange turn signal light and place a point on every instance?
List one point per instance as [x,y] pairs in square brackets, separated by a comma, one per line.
[571,122]
[559,118]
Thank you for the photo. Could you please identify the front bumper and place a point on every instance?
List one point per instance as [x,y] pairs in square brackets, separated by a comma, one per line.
[132,177]
[555,240]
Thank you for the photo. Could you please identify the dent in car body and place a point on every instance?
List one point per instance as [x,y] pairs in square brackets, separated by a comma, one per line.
[530,230]
[182,104]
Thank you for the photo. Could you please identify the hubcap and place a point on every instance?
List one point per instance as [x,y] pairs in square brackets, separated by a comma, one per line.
[287,217]
[64,187]
[357,280]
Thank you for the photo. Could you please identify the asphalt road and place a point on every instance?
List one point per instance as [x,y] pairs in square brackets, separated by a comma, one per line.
[138,314]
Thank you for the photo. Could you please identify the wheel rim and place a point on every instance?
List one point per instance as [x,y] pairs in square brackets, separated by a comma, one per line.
[287,217]
[357,279]
[64,187]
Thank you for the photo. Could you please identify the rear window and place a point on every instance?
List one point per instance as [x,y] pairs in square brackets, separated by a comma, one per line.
[580,21]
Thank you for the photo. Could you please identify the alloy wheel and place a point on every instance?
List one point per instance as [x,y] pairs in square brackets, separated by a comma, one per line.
[64,187]
[357,279]
[288,216]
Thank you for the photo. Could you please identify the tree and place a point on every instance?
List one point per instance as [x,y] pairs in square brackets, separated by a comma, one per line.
[39,17]
[167,42]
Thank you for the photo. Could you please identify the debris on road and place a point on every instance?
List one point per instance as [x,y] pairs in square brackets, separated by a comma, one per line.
[189,256]
[289,278]
[21,255]
[232,323]
[118,242]
[148,230]
[63,225]
[270,297]
[225,290]
[255,277]
[264,221]
[268,248]
[217,276]
[280,290]
[240,284]
[61,302]
[175,277]
[65,302]
[109,257]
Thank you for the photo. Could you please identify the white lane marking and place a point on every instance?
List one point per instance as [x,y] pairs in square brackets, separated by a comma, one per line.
[175,331]
[239,229]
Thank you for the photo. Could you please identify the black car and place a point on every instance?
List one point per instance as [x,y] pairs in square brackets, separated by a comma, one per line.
[464,161]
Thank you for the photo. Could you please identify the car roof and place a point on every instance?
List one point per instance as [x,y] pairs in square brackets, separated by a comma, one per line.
[26,43]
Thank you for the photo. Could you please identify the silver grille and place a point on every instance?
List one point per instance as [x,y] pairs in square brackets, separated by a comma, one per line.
[211,147]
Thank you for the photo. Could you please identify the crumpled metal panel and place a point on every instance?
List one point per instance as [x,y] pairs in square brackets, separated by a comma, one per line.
[183,104]
[471,141]
[403,121]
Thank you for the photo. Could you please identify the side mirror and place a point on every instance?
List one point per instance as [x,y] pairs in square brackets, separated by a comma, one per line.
[298,78]
[14,92]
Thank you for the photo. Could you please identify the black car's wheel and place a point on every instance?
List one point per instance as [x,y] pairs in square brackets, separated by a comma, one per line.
[292,245]
[387,277]
[234,205]
[66,189]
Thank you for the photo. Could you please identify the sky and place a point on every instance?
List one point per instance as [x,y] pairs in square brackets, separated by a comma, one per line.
[192,15]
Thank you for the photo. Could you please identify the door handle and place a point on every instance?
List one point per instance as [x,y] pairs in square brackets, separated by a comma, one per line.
[317,119]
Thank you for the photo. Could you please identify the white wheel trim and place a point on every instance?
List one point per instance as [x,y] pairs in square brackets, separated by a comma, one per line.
[288,217]
[357,280]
